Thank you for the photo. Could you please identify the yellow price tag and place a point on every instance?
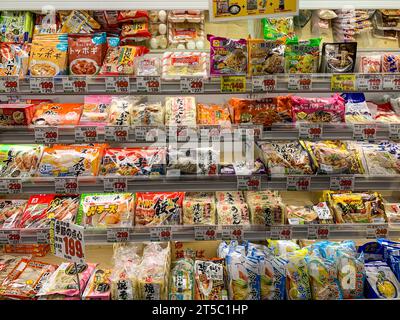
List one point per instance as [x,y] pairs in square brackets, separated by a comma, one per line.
[343,82]
[233,84]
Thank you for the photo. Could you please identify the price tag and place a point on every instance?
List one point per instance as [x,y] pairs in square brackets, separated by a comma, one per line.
[369,82]
[248,183]
[67,241]
[148,84]
[10,236]
[315,232]
[391,82]
[205,233]
[160,234]
[115,185]
[9,84]
[377,231]
[342,183]
[118,234]
[298,183]
[43,236]
[10,186]
[66,185]
[42,85]
[85,134]
[233,84]
[300,82]
[281,232]
[364,131]
[343,82]
[310,130]
[264,83]
[75,84]
[117,84]
[211,132]
[192,85]
[46,135]
[232,233]
[117,133]
[394,131]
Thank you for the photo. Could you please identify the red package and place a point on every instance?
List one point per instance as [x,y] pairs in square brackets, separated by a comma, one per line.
[16,114]
[138,30]
[158,208]
[36,211]
[131,15]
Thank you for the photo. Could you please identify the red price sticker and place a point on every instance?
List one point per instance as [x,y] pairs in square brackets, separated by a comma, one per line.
[148,84]
[298,183]
[315,232]
[66,185]
[75,84]
[264,83]
[202,233]
[342,183]
[310,131]
[248,183]
[300,82]
[391,82]
[85,134]
[117,133]
[10,237]
[233,84]
[364,131]
[192,85]
[234,232]
[46,135]
[10,186]
[115,185]
[377,231]
[42,85]
[369,82]
[118,234]
[119,84]
[160,234]
[281,232]
[9,84]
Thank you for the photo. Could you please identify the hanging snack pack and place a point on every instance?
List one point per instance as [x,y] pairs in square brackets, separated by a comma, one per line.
[302,56]
[265,57]
[338,57]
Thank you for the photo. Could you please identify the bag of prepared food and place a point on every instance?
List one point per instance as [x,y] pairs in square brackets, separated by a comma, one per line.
[79,21]
[54,114]
[210,278]
[148,114]
[121,109]
[120,60]
[297,281]
[274,29]
[19,160]
[265,57]
[302,56]
[11,212]
[181,280]
[381,283]
[16,26]
[381,158]
[370,63]
[99,286]
[96,110]
[132,15]
[390,62]
[180,111]
[181,64]
[199,208]
[213,114]
[135,30]
[14,59]
[338,57]
[16,114]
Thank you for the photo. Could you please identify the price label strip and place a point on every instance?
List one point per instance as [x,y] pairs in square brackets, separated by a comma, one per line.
[310,130]
[231,84]
[158,234]
[391,82]
[316,232]
[192,85]
[394,131]
[364,131]
[342,183]
[115,185]
[10,186]
[298,183]
[264,83]
[75,84]
[10,237]
[43,236]
[117,84]
[42,85]
[248,183]
[281,232]
[46,135]
[118,234]
[212,133]
[343,82]
[234,232]
[205,233]
[66,185]
[369,82]
[117,133]
[9,84]
[300,82]
[377,231]
[67,241]
[148,84]
[86,134]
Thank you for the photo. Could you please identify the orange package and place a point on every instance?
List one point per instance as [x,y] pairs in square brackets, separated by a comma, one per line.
[36,250]
[264,111]
[57,114]
[213,114]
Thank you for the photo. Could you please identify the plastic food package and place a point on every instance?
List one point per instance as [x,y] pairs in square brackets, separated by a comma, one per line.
[120,60]
[227,56]
[392,212]
[86,53]
[265,57]
[16,114]
[301,215]
[264,111]
[297,281]
[213,114]
[181,280]
[70,160]
[101,210]
[154,208]
[385,113]
[199,208]
[381,158]
[286,157]
[370,64]
[135,30]
[232,208]
[158,29]
[147,66]
[10,213]
[338,57]
[181,64]
[99,285]
[332,157]
[49,55]
[96,110]
[35,250]
[26,279]
[7,264]
[277,28]
[266,207]
[55,114]
[133,161]
[107,19]
[390,62]
[63,281]
[121,109]
[180,111]
[16,26]
[79,21]
[356,108]
[148,114]
[381,283]
[302,56]
[357,207]
[184,160]
[210,278]
[132,15]
[330,109]
[14,59]
[19,161]
[385,20]
[230,197]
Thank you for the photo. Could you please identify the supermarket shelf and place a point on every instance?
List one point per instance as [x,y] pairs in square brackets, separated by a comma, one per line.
[340,4]
[189,233]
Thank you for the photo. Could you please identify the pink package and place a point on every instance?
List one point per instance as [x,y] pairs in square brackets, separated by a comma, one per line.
[330,109]
[370,64]
[227,56]
[96,110]
[99,285]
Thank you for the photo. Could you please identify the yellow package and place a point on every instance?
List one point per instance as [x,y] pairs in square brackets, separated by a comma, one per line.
[79,22]
[265,57]
[297,281]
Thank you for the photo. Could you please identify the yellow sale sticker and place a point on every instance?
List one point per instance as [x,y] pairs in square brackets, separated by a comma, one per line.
[233,84]
[343,82]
